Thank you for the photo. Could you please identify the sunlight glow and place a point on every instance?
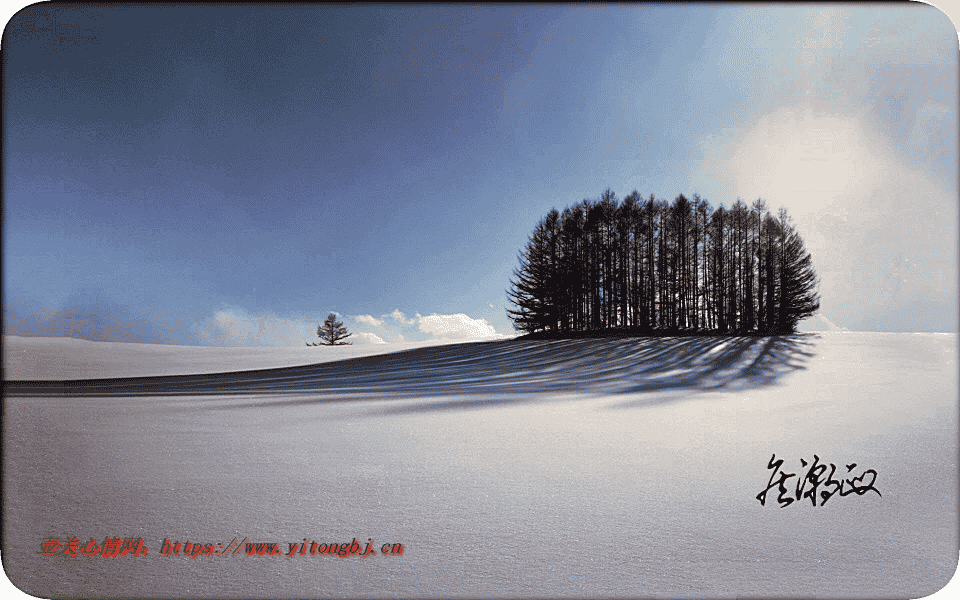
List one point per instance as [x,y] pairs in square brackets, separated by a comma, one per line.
[802,160]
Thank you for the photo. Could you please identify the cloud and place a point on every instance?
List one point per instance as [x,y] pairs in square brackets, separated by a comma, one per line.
[882,232]
[83,315]
[365,337]
[798,157]
[232,326]
[895,66]
[853,130]
[458,326]
[399,317]
[369,320]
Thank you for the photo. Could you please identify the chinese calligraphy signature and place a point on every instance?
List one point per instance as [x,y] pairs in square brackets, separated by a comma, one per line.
[818,480]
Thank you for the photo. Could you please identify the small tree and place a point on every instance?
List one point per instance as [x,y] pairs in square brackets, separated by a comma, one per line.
[332,331]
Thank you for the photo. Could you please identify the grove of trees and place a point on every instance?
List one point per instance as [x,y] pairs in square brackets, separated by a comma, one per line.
[649,267]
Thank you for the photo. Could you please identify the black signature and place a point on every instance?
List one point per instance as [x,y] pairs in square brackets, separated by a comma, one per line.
[815,478]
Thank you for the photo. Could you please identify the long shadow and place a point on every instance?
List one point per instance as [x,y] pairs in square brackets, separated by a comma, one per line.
[508,368]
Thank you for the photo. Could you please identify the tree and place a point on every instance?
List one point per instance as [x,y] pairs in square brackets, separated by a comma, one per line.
[573,264]
[534,288]
[332,331]
[718,227]
[760,210]
[799,298]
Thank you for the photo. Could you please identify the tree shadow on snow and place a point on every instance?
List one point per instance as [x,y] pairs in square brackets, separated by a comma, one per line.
[483,373]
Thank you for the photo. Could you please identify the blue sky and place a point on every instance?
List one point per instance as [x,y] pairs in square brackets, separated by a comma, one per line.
[231,175]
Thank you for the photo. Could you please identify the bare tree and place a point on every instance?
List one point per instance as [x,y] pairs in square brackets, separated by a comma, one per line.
[332,331]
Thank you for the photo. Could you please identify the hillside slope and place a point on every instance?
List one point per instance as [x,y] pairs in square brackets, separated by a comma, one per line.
[581,468]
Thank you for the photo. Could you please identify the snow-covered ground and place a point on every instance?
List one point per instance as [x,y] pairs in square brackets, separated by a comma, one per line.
[585,468]
[71,358]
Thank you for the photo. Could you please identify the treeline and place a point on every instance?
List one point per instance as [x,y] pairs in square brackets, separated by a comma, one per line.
[649,266]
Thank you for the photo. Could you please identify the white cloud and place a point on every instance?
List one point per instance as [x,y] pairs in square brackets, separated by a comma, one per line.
[797,157]
[399,317]
[458,326]
[232,326]
[369,320]
[365,337]
[881,232]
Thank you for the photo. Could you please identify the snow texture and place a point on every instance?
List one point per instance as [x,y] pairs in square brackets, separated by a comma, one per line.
[583,468]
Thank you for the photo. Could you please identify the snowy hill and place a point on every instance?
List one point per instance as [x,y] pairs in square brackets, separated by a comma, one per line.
[71,358]
[818,322]
[582,468]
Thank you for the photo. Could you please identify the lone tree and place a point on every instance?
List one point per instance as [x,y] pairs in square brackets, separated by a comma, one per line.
[332,331]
